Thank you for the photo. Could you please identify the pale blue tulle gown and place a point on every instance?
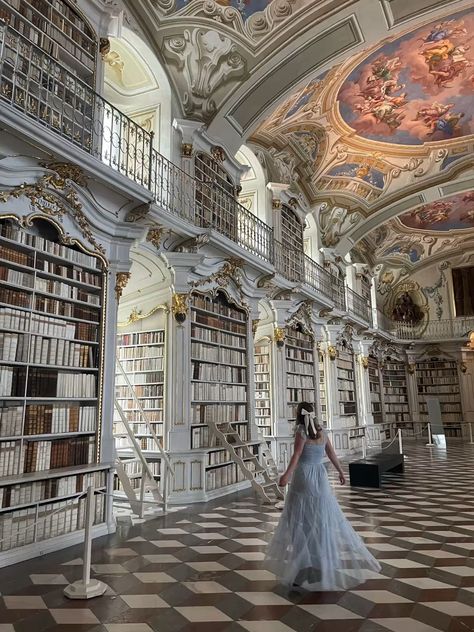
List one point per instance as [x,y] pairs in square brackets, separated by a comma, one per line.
[314,545]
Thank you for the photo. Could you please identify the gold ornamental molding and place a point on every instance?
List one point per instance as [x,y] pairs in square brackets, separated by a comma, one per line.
[54,205]
[121,280]
[179,306]
[137,314]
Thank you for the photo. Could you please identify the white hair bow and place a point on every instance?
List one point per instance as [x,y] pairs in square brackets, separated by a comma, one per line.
[308,422]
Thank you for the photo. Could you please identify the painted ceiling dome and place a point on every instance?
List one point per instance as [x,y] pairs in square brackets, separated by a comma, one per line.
[417,88]
[452,213]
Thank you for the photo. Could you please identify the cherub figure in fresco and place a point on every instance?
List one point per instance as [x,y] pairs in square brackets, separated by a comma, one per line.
[444,30]
[433,213]
[384,68]
[438,118]
[445,59]
[447,69]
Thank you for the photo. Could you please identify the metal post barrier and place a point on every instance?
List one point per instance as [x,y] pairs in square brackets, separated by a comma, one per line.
[364,446]
[400,442]
[470,432]
[86,588]
[430,437]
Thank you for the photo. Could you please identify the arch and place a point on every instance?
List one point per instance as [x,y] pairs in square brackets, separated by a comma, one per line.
[311,243]
[254,193]
[136,83]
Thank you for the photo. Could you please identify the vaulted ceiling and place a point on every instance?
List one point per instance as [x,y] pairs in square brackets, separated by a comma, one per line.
[365,107]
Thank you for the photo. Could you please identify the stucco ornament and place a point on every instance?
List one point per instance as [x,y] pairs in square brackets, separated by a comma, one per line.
[207,61]
[336,222]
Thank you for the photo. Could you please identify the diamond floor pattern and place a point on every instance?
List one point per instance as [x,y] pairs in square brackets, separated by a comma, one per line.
[200,569]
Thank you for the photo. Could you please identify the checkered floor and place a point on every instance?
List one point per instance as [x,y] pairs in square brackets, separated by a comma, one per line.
[200,569]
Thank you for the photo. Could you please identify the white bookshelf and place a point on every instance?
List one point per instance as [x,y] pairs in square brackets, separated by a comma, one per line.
[346,385]
[219,382]
[262,365]
[322,390]
[51,315]
[375,389]
[300,369]
[395,393]
[439,378]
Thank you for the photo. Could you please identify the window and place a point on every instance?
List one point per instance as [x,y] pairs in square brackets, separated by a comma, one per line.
[463,288]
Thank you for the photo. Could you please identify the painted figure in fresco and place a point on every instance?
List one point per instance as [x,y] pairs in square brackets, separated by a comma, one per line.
[406,310]
[445,59]
[468,215]
[433,213]
[446,29]
[438,118]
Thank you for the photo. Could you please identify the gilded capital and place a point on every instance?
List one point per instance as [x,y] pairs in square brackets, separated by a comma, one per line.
[155,235]
[121,280]
[332,352]
[179,307]
[187,150]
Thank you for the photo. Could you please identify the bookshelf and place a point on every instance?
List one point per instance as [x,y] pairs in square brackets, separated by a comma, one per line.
[346,385]
[322,390]
[262,388]
[439,377]
[219,380]
[375,390]
[300,369]
[395,392]
[51,366]
[58,28]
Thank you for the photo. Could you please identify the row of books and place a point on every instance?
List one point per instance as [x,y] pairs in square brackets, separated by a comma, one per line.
[436,365]
[150,377]
[153,416]
[398,368]
[143,351]
[16,256]
[72,272]
[345,385]
[142,364]
[152,402]
[218,392]
[222,355]
[209,413]
[218,323]
[218,456]
[65,290]
[392,390]
[346,396]
[438,390]
[299,354]
[139,428]
[11,421]
[261,379]
[391,407]
[299,381]
[38,456]
[261,368]
[396,416]
[347,408]
[216,372]
[15,297]
[20,320]
[437,380]
[299,338]
[13,232]
[445,407]
[217,306]
[223,476]
[141,338]
[303,368]
[57,419]
[50,351]
[18,528]
[143,390]
[217,337]
[26,493]
[299,394]
[16,382]
[200,436]
[63,308]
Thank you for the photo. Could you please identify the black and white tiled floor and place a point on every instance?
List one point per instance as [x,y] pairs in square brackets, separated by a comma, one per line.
[200,569]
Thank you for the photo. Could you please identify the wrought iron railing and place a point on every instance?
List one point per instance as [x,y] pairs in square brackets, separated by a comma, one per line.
[323,282]
[358,305]
[44,90]
[446,329]
[173,189]
[288,263]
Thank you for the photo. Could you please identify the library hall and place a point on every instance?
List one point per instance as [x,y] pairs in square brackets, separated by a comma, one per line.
[236,316]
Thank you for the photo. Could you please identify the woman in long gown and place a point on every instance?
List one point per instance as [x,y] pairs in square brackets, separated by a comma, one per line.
[314,545]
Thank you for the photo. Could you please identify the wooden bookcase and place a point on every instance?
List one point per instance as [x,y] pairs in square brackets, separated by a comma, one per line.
[300,369]
[439,377]
[51,365]
[262,361]
[375,388]
[346,384]
[219,381]
[58,28]
[395,393]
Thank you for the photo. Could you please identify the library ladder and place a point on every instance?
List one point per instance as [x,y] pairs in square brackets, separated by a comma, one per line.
[131,463]
[267,457]
[258,474]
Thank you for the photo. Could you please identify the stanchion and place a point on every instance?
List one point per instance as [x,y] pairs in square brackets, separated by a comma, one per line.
[364,447]
[430,437]
[86,588]
[400,442]
[470,433]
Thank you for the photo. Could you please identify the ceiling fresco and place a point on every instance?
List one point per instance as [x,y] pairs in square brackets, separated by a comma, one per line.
[246,8]
[452,213]
[417,88]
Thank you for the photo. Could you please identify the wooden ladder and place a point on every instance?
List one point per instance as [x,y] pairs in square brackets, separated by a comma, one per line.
[132,453]
[249,463]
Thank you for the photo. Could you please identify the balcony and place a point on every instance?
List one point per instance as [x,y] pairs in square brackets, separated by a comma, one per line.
[358,306]
[39,87]
[455,329]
